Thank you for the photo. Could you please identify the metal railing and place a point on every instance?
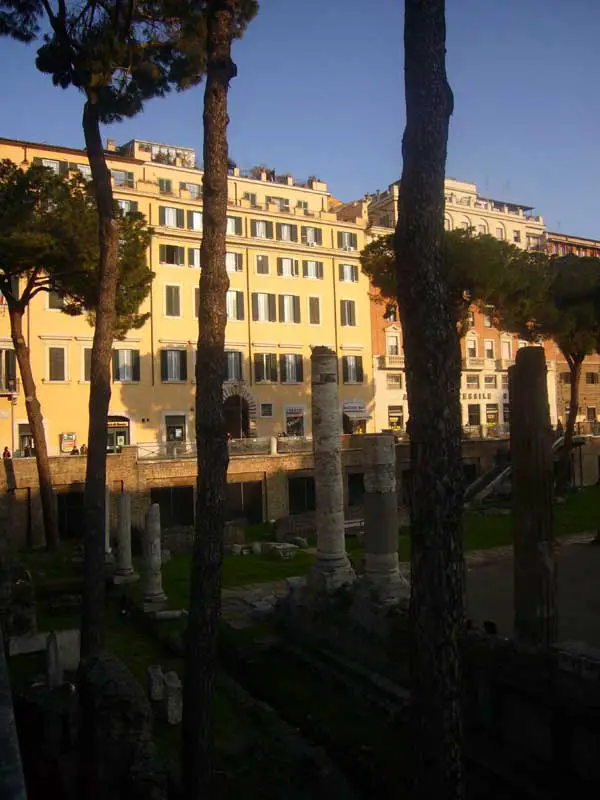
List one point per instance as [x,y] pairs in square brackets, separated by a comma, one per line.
[156,451]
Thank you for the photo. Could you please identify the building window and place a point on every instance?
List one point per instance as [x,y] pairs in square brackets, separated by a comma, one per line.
[347,240]
[85,170]
[282,203]
[303,204]
[172,301]
[489,348]
[286,232]
[234,226]
[314,311]
[500,233]
[490,382]
[394,380]
[87,364]
[288,267]
[517,237]
[172,255]
[294,421]
[57,364]
[122,178]
[472,381]
[233,262]
[506,413]
[504,381]
[50,163]
[55,301]
[482,229]
[194,257]
[591,414]
[565,378]
[491,414]
[262,265]
[250,197]
[470,320]
[8,370]
[472,347]
[266,410]
[289,308]
[233,360]
[127,206]
[261,229]
[263,307]
[291,368]
[352,369]
[391,313]
[487,318]
[311,236]
[265,367]
[506,349]
[165,186]
[196,302]
[125,365]
[591,377]
[465,225]
[395,418]
[194,189]
[194,220]
[348,273]
[348,313]
[392,345]
[312,269]
[171,217]
[235,305]
[173,365]
[474,414]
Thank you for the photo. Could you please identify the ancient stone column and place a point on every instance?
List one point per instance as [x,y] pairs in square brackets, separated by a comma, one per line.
[124,572]
[535,580]
[332,567]
[381,518]
[154,598]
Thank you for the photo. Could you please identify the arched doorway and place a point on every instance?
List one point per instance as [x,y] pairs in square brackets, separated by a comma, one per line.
[237,416]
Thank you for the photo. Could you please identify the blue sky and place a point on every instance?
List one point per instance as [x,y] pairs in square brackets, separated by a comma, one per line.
[320,91]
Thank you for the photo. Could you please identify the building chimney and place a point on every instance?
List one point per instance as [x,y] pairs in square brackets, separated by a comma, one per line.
[111,145]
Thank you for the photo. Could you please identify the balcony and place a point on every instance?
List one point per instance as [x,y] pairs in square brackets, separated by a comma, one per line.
[503,364]
[9,386]
[393,361]
[472,362]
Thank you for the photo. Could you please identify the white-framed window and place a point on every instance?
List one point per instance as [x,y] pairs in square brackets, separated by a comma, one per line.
[288,267]
[172,300]
[314,310]
[127,206]
[500,233]
[55,301]
[392,341]
[352,369]
[52,164]
[265,367]
[347,240]
[348,273]
[125,365]
[289,308]
[348,313]
[194,220]
[86,366]
[394,380]
[235,305]
[196,301]
[233,262]
[250,197]
[489,381]
[487,319]
[312,269]
[504,382]
[303,204]
[233,365]
[470,319]
[171,255]
[86,171]
[506,349]
[472,381]
[173,365]
[194,257]
[57,364]
[471,347]
[482,228]
[489,348]
[262,265]
[261,229]
[282,203]
[473,414]
[234,226]
[266,410]
[122,178]
[291,368]
[517,237]
[165,186]
[264,307]
[170,217]
[311,236]
[293,420]
[286,232]
[195,190]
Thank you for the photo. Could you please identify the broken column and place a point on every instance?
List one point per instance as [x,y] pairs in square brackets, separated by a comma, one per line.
[124,572]
[382,573]
[535,580]
[332,567]
[153,598]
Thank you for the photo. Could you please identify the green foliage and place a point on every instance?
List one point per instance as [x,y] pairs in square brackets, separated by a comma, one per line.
[49,240]
[120,52]
[478,267]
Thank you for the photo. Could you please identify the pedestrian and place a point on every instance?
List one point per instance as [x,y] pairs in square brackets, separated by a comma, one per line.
[74,451]
[27,451]
[6,454]
[83,450]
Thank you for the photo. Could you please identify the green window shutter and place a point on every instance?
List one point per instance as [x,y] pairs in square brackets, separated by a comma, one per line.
[355,273]
[253,227]
[351,313]
[353,240]
[295,268]
[345,369]
[340,239]
[87,363]
[281,309]
[296,308]
[272,367]
[161,215]
[239,301]
[314,311]
[133,206]
[269,230]
[278,230]
[183,365]
[359,369]
[280,266]
[343,312]
[180,218]
[190,220]
[294,233]
[259,367]
[191,257]
[129,179]
[255,306]
[299,368]
[272,309]
[115,365]
[181,256]
[162,253]
[164,370]
[135,365]
[303,234]
[341,271]
[63,168]
[238,226]
[238,262]
[305,269]
[320,270]
[197,300]
[282,370]
[318,236]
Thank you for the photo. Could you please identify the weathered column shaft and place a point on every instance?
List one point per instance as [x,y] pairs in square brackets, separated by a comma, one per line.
[108,554]
[124,571]
[153,591]
[332,567]
[535,580]
[381,516]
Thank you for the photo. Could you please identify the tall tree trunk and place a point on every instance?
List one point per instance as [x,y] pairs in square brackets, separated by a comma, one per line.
[95,476]
[564,466]
[433,382]
[213,458]
[36,424]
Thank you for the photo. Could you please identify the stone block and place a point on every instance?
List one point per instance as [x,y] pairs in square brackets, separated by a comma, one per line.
[172,698]
[156,687]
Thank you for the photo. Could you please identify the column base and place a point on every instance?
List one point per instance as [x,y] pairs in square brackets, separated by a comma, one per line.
[328,575]
[126,577]
[153,603]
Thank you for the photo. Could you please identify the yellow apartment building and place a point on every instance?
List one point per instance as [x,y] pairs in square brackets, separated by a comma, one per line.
[487,352]
[293,265]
